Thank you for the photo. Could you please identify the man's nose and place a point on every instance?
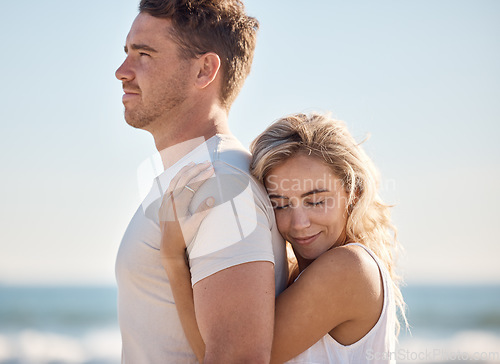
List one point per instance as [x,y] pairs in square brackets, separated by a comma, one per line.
[125,71]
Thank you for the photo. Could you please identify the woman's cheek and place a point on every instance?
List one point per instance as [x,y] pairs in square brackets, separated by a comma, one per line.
[281,222]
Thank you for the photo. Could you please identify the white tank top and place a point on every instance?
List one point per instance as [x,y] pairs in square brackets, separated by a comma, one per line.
[376,347]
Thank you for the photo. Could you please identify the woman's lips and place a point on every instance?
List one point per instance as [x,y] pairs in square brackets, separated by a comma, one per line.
[306,240]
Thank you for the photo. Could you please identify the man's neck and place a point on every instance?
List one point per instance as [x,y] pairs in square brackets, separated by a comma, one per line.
[176,137]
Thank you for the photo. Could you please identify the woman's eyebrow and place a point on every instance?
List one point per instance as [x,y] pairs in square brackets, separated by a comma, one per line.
[312,192]
[319,190]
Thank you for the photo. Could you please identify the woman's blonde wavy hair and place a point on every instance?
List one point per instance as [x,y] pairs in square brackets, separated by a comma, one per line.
[319,135]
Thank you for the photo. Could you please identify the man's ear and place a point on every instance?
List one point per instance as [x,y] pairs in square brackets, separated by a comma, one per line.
[209,65]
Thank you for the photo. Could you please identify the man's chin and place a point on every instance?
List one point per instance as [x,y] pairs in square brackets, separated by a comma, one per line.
[136,121]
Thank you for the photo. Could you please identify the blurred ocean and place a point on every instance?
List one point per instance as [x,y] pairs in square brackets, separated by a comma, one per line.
[56,325]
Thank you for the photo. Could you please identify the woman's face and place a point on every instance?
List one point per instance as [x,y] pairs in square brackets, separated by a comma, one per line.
[310,205]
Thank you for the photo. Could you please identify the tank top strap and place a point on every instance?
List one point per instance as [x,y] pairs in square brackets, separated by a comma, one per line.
[383,272]
[381,266]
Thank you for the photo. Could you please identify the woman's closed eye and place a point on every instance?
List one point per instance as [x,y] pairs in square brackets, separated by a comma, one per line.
[315,203]
[279,204]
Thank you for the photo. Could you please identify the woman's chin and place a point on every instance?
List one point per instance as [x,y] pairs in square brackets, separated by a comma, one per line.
[308,256]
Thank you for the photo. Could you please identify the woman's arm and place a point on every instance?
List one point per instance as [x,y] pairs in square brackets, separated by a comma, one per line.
[180,281]
[329,294]
[340,292]
[174,212]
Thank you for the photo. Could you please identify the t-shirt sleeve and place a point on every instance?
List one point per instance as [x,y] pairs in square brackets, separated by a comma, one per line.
[237,230]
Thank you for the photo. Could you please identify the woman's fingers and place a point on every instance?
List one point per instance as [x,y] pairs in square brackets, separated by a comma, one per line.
[190,224]
[184,185]
[186,174]
[183,196]
[195,182]
[175,180]
[205,207]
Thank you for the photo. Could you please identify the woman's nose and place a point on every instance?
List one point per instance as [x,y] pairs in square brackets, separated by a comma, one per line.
[300,218]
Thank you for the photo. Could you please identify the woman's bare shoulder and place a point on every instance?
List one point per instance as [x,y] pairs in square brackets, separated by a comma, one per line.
[349,269]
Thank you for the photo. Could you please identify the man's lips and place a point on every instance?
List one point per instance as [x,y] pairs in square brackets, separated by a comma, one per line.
[305,240]
[129,95]
[130,91]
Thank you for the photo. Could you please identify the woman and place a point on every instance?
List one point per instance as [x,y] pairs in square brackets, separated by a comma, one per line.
[341,304]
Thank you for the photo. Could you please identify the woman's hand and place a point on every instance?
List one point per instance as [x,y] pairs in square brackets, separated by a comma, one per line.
[178,226]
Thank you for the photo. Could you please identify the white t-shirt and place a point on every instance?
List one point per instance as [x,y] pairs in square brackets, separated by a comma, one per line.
[376,347]
[241,228]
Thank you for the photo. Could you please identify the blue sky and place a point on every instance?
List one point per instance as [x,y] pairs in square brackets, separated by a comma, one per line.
[421,77]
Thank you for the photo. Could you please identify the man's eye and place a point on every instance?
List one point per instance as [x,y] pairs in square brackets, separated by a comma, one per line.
[143,54]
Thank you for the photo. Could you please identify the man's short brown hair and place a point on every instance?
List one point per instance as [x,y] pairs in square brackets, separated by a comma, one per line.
[219,26]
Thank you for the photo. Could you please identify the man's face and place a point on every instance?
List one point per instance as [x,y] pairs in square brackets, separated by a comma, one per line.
[154,77]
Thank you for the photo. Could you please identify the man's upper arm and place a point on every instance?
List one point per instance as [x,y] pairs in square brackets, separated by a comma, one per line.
[238,228]
[235,313]
[232,268]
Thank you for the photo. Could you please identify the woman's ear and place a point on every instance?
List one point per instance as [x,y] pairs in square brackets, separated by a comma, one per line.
[209,65]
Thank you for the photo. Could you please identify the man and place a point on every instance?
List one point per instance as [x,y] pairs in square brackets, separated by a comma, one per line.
[186,62]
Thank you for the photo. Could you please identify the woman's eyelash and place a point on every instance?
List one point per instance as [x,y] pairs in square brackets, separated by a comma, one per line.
[312,204]
[316,203]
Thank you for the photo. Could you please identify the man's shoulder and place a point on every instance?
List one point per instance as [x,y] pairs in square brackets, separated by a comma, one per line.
[231,161]
[228,149]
